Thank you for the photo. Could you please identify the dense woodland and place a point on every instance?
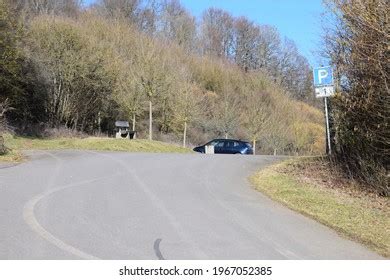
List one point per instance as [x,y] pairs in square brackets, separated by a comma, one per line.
[173,77]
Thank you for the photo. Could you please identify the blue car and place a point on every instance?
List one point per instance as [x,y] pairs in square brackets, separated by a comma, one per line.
[227,146]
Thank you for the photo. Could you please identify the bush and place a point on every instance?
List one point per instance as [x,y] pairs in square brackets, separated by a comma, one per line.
[359,49]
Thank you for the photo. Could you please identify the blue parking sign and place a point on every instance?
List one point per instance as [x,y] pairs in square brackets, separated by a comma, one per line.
[323,76]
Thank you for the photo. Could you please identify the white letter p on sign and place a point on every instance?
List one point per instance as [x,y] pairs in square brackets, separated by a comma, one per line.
[322,74]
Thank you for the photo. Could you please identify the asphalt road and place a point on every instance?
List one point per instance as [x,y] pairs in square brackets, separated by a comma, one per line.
[89,205]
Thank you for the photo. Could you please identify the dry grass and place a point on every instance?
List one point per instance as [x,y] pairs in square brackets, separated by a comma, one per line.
[17,144]
[327,176]
[312,188]
[12,156]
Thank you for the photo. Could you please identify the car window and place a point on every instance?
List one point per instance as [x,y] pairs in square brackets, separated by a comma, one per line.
[212,143]
[248,145]
[236,144]
[229,144]
[219,144]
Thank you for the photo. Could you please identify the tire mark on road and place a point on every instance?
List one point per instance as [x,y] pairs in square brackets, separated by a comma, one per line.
[158,203]
[156,247]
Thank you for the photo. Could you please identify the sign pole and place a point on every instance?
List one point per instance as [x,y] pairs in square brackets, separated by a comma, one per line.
[324,88]
[327,126]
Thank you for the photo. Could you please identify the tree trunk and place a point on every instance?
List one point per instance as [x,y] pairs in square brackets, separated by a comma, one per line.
[134,126]
[185,134]
[150,120]
[254,147]
[99,123]
[275,152]
[226,135]
[82,125]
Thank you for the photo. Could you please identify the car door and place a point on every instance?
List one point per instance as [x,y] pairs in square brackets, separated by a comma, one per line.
[229,147]
[219,147]
[236,147]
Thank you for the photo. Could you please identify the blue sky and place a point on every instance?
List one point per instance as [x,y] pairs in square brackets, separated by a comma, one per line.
[299,20]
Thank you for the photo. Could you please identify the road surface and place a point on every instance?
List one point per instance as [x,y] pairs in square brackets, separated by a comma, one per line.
[111,205]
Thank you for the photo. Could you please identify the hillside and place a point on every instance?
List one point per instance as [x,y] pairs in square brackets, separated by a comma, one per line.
[84,72]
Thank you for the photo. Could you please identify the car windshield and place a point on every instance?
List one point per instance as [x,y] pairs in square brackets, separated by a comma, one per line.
[212,143]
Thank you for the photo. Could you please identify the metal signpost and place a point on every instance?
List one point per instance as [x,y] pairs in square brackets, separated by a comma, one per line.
[324,88]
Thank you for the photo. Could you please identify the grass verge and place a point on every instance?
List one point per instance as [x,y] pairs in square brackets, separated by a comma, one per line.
[11,156]
[311,187]
[16,144]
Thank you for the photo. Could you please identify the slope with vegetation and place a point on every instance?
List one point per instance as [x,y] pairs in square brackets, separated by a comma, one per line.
[149,62]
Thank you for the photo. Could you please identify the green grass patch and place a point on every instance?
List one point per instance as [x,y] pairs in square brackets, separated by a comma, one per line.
[352,216]
[17,144]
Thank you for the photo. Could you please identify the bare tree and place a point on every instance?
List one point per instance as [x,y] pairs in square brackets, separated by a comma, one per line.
[246,44]
[152,74]
[226,110]
[39,7]
[177,24]
[217,33]
[148,17]
[268,49]
[187,99]
[127,9]
[277,131]
[128,93]
[257,115]
[71,68]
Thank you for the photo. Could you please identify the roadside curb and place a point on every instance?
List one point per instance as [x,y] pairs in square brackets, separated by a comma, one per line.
[8,165]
